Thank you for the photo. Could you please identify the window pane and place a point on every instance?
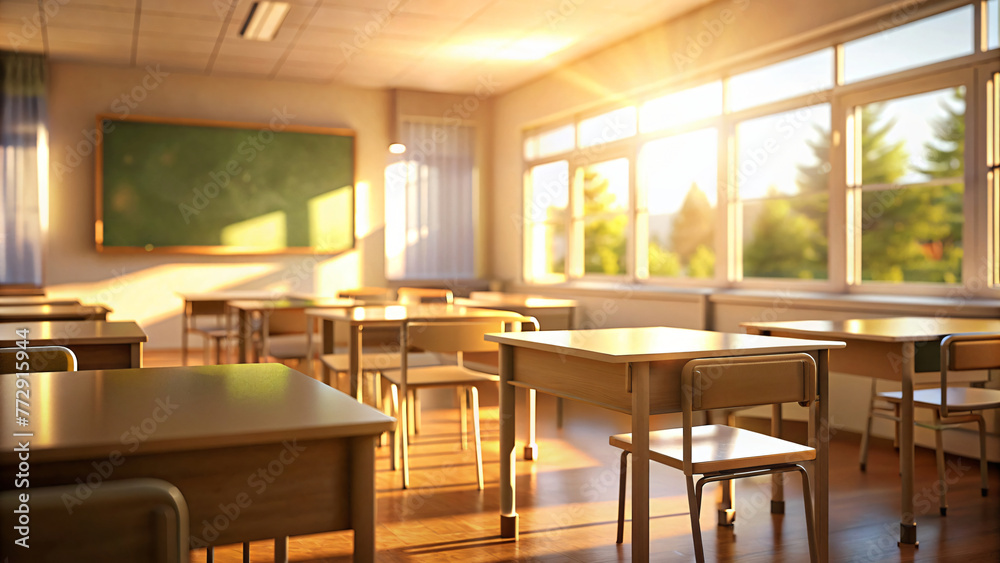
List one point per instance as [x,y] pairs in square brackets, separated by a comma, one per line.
[783,177]
[780,81]
[689,105]
[993,24]
[678,177]
[605,204]
[611,126]
[913,139]
[549,191]
[549,143]
[930,40]
[547,249]
[912,234]
[784,153]
[785,237]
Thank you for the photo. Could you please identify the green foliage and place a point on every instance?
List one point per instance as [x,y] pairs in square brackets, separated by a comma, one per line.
[604,239]
[785,242]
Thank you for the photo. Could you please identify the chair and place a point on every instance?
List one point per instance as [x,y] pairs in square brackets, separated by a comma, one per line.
[38,358]
[283,335]
[452,337]
[410,295]
[952,406]
[722,453]
[135,520]
[212,331]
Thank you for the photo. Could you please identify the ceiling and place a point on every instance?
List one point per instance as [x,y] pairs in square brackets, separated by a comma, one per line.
[433,45]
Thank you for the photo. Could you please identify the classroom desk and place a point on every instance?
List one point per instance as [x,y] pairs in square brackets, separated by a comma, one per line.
[259,451]
[246,309]
[637,371]
[97,344]
[210,304]
[39,312]
[387,316]
[6,300]
[894,348]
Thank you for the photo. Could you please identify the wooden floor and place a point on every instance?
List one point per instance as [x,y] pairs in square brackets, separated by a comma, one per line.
[568,508]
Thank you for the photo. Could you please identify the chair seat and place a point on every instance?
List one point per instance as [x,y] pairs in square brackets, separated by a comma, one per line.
[286,346]
[959,398]
[440,376]
[377,360]
[211,331]
[718,448]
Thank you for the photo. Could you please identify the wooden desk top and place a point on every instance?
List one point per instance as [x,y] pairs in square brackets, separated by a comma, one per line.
[395,315]
[644,344]
[62,333]
[289,303]
[892,329]
[227,295]
[523,301]
[6,300]
[51,312]
[89,413]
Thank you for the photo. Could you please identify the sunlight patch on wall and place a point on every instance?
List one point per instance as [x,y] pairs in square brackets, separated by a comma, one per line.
[269,231]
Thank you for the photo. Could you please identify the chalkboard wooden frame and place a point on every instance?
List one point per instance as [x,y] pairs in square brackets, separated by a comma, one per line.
[106,125]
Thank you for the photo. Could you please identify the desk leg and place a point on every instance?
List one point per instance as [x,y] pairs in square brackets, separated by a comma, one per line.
[310,351]
[363,497]
[280,550]
[328,343]
[531,448]
[357,385]
[508,513]
[135,354]
[778,479]
[244,336]
[184,335]
[821,484]
[640,462]
[907,524]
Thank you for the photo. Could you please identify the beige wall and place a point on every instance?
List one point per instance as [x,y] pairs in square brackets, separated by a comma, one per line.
[142,287]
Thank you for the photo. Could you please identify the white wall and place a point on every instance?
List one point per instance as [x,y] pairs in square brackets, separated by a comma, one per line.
[142,286]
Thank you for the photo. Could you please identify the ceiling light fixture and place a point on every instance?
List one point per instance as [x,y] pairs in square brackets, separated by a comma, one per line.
[264,20]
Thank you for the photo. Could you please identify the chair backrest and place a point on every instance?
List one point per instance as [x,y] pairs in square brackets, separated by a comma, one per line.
[36,359]
[135,520]
[747,381]
[967,351]
[462,336]
[286,321]
[744,381]
[410,295]
[366,294]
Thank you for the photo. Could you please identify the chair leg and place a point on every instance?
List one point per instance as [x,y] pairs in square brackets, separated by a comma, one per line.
[409,413]
[210,554]
[416,412]
[404,435]
[939,454]
[474,392]
[622,478]
[896,414]
[866,433]
[778,479]
[694,507]
[810,524]
[394,444]
[983,466]
[463,423]
[246,552]
[206,350]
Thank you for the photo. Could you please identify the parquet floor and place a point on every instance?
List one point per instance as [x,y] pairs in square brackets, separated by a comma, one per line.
[567,502]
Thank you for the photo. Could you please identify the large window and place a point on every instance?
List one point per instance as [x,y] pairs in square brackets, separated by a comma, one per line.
[841,167]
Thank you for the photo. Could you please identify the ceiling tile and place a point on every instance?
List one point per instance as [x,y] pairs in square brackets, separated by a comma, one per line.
[252,49]
[315,38]
[369,22]
[75,16]
[18,12]
[173,60]
[330,59]
[243,65]
[178,24]
[116,39]
[216,9]
[126,5]
[452,9]
[421,26]
[89,52]
[15,36]
[294,71]
[167,43]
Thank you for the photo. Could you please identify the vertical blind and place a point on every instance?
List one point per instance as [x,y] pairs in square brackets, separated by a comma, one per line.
[430,203]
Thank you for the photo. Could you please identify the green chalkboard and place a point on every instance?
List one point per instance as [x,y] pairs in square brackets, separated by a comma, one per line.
[190,186]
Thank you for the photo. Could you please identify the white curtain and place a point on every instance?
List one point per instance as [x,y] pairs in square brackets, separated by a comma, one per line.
[23,167]
[430,203]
